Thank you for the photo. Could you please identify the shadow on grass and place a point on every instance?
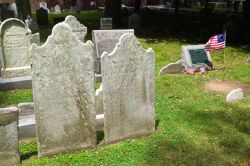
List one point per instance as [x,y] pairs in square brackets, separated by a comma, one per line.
[100,136]
[28,155]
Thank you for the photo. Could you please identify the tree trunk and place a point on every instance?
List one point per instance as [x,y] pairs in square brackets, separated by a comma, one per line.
[113,10]
[137,5]
[177,6]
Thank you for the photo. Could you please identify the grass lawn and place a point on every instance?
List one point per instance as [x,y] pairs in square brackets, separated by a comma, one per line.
[195,126]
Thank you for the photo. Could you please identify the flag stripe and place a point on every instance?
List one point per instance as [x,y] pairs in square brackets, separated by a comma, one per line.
[215,42]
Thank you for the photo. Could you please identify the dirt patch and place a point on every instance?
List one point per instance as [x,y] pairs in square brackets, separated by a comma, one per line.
[226,86]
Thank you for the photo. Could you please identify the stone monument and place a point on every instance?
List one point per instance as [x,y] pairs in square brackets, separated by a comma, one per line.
[15,43]
[128,90]
[64,93]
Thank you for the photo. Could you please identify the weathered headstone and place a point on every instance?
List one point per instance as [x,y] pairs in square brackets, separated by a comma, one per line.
[128,90]
[32,25]
[58,9]
[79,29]
[15,45]
[106,23]
[64,66]
[248,60]
[195,54]
[105,40]
[42,17]
[134,21]
[72,9]
[79,6]
[9,150]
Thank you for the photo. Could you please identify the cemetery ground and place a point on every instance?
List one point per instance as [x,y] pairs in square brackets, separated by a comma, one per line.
[194,126]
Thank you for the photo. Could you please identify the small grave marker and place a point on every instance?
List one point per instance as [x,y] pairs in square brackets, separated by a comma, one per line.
[194,55]
[106,23]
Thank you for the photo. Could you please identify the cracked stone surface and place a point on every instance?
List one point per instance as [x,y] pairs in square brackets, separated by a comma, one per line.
[128,90]
[9,150]
[15,43]
[64,93]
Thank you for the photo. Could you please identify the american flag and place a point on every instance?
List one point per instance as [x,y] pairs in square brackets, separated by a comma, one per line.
[216,42]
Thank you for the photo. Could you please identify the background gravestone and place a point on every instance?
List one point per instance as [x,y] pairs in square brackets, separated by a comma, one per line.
[42,17]
[134,22]
[128,90]
[9,150]
[106,23]
[105,40]
[64,66]
[78,29]
[195,54]
[23,9]
[15,45]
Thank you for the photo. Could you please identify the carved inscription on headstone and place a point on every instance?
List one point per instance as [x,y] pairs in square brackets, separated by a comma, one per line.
[15,48]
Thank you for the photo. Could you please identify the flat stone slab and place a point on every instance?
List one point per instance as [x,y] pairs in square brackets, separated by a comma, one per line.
[27,126]
[16,83]
[235,95]
[9,149]
[172,68]
[26,109]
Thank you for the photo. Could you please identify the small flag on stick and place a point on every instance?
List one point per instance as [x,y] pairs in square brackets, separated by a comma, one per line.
[216,42]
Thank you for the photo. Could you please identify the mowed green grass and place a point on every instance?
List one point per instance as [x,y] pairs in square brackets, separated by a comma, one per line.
[194,126]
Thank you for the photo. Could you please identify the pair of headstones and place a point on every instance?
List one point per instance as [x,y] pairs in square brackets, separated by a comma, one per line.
[64,92]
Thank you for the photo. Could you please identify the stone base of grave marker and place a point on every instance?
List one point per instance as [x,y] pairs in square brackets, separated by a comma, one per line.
[16,72]
[9,150]
[16,83]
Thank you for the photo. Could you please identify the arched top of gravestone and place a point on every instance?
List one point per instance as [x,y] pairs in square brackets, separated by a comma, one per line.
[62,34]
[12,22]
[128,41]
[15,43]
[78,29]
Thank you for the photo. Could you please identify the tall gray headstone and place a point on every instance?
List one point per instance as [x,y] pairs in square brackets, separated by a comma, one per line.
[64,93]
[128,90]
[15,43]
[105,40]
[79,30]
[9,150]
